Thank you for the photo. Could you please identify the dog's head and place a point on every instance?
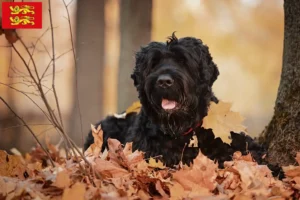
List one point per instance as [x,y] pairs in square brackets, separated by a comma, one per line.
[174,81]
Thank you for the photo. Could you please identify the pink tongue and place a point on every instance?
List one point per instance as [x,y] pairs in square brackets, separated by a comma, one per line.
[167,104]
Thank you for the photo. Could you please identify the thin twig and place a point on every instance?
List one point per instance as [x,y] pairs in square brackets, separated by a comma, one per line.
[77,102]
[38,40]
[17,71]
[25,63]
[10,61]
[31,58]
[38,84]
[70,3]
[50,74]
[51,61]
[22,125]
[29,129]
[47,129]
[53,66]
[47,116]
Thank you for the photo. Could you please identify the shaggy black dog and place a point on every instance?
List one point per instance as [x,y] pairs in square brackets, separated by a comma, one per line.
[174,82]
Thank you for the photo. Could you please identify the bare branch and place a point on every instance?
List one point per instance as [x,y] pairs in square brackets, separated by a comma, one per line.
[25,63]
[63,54]
[77,102]
[44,131]
[10,61]
[29,129]
[22,125]
[31,58]
[39,40]
[30,100]
[17,71]
[45,48]
[51,61]
[48,66]
[53,58]
[69,3]
[38,84]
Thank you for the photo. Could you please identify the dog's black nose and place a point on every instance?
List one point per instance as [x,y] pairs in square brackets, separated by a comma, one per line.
[164,80]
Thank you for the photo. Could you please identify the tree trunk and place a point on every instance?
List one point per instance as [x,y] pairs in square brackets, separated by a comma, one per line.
[90,61]
[136,23]
[283,133]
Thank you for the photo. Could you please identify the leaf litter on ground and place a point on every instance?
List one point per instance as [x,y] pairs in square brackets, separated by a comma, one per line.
[121,173]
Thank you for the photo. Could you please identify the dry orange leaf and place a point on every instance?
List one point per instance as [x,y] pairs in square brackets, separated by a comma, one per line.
[128,149]
[109,169]
[201,175]
[222,120]
[62,180]
[176,191]
[96,147]
[116,153]
[11,165]
[6,186]
[77,192]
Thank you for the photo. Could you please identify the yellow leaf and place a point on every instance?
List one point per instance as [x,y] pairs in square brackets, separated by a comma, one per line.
[222,120]
[154,164]
[135,107]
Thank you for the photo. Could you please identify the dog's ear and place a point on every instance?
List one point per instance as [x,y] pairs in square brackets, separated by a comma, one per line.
[139,61]
[134,78]
[147,57]
[211,67]
[215,72]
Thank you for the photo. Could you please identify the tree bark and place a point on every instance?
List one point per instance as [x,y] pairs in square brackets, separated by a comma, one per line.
[135,28]
[282,135]
[90,62]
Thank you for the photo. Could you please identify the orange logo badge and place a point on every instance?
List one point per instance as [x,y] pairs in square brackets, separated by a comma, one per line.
[17,15]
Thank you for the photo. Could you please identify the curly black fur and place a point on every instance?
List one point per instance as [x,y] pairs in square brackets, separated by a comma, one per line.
[159,132]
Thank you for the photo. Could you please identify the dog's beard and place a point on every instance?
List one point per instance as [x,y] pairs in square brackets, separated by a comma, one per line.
[175,109]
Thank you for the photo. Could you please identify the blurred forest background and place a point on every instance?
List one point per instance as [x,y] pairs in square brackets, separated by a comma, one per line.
[245,38]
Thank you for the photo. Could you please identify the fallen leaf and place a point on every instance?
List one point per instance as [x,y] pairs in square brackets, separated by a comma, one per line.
[62,180]
[95,148]
[291,171]
[222,120]
[109,169]
[202,174]
[12,165]
[7,186]
[132,158]
[160,189]
[176,191]
[77,192]
[128,149]
[156,164]
[193,141]
[135,107]
[116,153]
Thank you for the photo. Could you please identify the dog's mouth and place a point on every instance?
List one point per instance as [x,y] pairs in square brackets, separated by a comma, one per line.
[169,105]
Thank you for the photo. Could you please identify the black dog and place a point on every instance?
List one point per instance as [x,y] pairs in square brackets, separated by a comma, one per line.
[174,81]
